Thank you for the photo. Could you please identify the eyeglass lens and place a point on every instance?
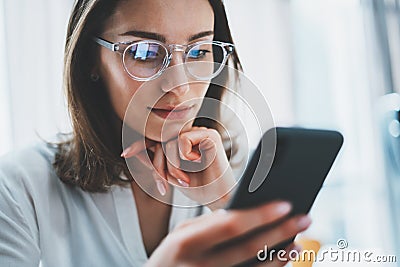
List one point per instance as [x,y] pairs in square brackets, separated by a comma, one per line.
[146,59]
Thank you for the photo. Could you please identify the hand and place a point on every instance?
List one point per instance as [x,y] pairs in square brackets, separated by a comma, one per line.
[195,159]
[203,241]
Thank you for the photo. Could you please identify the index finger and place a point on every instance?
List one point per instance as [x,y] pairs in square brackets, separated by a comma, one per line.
[206,140]
[223,226]
[137,147]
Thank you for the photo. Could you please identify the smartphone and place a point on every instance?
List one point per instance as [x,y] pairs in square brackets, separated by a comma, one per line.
[300,164]
[295,172]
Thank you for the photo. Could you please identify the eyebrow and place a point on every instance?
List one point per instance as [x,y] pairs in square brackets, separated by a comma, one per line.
[161,38]
[200,35]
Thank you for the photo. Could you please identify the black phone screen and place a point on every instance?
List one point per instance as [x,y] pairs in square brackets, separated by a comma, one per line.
[302,160]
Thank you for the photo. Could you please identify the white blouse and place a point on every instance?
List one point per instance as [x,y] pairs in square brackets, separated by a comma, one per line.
[48,223]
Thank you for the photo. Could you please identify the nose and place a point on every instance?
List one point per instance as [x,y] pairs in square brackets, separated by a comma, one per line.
[175,79]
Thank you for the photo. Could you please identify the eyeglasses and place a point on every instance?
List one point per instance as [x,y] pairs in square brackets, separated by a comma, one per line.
[146,59]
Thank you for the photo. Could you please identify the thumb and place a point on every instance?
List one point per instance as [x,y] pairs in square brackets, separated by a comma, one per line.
[208,150]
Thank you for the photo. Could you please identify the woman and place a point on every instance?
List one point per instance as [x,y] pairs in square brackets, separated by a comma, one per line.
[80,204]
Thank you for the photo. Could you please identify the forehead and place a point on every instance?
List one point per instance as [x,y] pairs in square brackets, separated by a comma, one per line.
[174,19]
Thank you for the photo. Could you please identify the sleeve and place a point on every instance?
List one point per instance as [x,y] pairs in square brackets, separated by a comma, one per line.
[19,244]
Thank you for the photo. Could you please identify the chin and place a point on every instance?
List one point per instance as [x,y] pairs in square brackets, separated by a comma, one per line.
[161,137]
[166,131]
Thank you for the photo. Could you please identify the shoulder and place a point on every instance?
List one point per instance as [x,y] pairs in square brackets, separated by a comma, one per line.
[29,171]
[33,161]
[29,187]
[24,176]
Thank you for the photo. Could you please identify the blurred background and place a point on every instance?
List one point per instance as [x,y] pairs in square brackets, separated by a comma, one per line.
[331,64]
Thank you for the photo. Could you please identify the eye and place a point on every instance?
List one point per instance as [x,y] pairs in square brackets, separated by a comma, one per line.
[145,52]
[198,53]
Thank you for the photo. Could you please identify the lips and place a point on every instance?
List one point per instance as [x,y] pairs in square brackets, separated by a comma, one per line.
[172,112]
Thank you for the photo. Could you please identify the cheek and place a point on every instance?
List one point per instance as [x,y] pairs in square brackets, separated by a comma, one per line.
[200,90]
[119,85]
[122,89]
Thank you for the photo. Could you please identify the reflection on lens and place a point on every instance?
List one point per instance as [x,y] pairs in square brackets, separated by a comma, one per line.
[204,60]
[144,59]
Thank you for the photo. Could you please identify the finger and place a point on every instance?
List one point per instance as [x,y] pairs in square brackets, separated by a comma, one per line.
[195,128]
[188,140]
[176,181]
[174,174]
[173,163]
[211,141]
[186,150]
[207,144]
[143,158]
[271,238]
[159,162]
[159,174]
[223,226]
[137,147]
[191,221]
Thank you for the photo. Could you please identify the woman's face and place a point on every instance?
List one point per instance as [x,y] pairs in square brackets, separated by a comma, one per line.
[171,22]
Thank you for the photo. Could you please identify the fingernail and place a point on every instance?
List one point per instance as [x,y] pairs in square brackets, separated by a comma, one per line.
[297,248]
[183,183]
[161,187]
[284,207]
[303,221]
[126,151]
[181,155]
[221,211]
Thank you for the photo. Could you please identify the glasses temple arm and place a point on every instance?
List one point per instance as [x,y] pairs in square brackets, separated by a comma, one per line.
[106,44]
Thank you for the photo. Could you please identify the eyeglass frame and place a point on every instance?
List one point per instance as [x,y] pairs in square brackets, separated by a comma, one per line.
[227,48]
